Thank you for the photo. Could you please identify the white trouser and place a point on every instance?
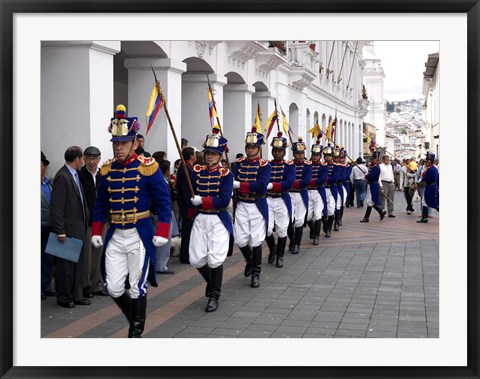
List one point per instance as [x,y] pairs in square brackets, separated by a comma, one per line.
[315,205]
[330,202]
[368,199]
[342,188]
[125,254]
[277,216]
[208,241]
[249,224]
[298,207]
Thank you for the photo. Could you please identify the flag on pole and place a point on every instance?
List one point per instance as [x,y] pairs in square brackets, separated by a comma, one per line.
[286,126]
[154,105]
[271,122]
[316,131]
[331,129]
[211,107]
[258,124]
[372,145]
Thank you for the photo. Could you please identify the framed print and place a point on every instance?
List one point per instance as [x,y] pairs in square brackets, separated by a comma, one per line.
[26,25]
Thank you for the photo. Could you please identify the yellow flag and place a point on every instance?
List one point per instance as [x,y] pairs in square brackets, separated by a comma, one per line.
[316,130]
[285,123]
[258,124]
[211,107]
[330,129]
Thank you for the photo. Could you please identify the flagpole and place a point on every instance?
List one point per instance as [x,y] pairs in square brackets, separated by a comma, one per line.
[383,148]
[187,175]
[276,111]
[335,130]
[218,119]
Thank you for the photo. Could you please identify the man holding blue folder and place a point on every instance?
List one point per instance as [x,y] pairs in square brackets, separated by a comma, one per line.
[129,185]
[69,214]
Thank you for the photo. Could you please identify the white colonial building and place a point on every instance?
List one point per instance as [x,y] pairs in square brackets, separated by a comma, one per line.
[431,90]
[311,81]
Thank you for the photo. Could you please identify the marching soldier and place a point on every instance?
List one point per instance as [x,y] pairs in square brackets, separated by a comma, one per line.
[338,154]
[373,191]
[317,200]
[212,225]
[278,199]
[129,184]
[344,182]
[251,215]
[299,194]
[431,195]
[330,190]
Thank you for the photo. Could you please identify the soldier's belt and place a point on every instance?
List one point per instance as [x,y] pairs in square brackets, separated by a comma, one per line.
[249,196]
[212,210]
[275,194]
[126,218]
[317,187]
[295,190]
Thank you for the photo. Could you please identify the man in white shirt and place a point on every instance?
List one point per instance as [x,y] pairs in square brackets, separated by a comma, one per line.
[387,184]
[358,178]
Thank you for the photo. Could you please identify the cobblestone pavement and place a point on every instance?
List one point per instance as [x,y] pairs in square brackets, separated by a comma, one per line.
[376,279]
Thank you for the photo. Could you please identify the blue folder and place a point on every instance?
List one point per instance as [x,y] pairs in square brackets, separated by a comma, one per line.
[70,249]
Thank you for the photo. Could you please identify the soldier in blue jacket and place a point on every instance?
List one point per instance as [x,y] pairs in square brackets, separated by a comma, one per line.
[278,199]
[251,214]
[212,225]
[129,184]
[330,189]
[373,192]
[430,196]
[317,199]
[299,194]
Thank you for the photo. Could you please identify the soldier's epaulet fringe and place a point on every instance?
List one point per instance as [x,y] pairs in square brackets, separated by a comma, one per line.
[263,163]
[106,166]
[289,162]
[224,171]
[148,165]
[307,162]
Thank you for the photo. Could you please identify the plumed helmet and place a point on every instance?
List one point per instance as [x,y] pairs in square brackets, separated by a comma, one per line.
[279,142]
[317,148]
[299,146]
[253,138]
[123,128]
[215,142]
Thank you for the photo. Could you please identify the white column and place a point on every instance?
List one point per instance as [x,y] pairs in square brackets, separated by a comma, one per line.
[237,115]
[77,97]
[140,85]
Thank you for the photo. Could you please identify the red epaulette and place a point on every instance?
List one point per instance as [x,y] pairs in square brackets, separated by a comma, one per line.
[198,168]
[308,163]
[289,162]
[146,161]
[240,159]
[224,171]
[262,163]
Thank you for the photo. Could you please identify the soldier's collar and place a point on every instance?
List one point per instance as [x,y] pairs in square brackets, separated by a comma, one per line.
[216,168]
[128,161]
[277,162]
[254,159]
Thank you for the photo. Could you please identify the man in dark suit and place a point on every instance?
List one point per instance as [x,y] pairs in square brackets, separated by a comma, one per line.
[69,213]
[92,281]
[183,200]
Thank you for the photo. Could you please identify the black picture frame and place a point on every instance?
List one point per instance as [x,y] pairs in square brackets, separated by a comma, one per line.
[10,7]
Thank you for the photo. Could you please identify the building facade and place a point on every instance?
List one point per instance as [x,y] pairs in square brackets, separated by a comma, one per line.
[431,90]
[311,81]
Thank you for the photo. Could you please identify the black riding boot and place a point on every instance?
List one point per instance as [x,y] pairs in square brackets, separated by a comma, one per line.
[247,254]
[366,218]
[230,246]
[291,236]
[380,211]
[273,249]
[215,288]
[280,251]
[298,239]
[330,219]
[137,322]
[124,302]
[325,224]
[312,229]
[340,216]
[316,231]
[206,273]
[337,218]
[424,218]
[256,266]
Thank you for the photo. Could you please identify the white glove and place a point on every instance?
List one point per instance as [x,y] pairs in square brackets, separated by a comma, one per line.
[236,184]
[159,241]
[197,200]
[97,241]
[269,186]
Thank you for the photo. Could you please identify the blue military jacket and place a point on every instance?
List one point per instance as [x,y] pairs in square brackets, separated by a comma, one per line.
[254,177]
[215,186]
[303,175]
[431,178]
[332,179]
[282,178]
[372,180]
[125,194]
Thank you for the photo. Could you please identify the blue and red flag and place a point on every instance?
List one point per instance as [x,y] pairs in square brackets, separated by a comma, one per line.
[154,105]
[372,145]
[211,105]
[271,122]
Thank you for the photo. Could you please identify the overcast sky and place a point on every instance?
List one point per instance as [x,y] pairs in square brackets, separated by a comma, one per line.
[403,63]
